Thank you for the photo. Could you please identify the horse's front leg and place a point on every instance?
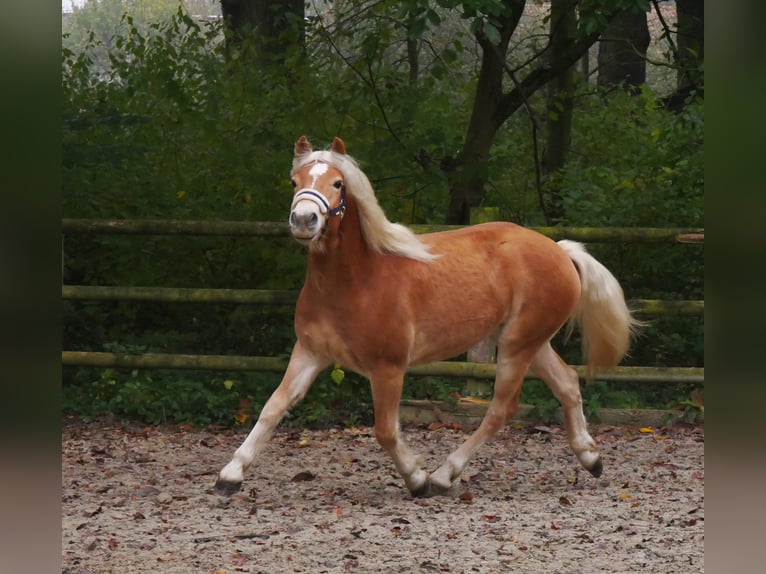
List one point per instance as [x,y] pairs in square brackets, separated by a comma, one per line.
[303,368]
[386,393]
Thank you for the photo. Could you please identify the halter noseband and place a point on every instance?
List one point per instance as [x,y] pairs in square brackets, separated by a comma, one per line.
[312,194]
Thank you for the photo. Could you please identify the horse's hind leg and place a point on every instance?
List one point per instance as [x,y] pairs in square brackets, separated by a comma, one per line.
[301,372]
[564,383]
[511,368]
[386,393]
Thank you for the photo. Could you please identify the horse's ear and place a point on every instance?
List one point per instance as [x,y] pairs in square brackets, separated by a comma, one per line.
[302,146]
[338,146]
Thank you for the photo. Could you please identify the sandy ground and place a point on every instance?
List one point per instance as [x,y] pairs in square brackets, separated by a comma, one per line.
[141,500]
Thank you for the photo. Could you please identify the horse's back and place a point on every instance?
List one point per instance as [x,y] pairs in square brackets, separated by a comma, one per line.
[519,253]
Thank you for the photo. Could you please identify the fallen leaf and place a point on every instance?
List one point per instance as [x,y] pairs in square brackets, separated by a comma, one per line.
[564,501]
[491,517]
[646,430]
[337,374]
[400,521]
[148,490]
[303,476]
[473,400]
[554,526]
[435,425]
[91,512]
[466,497]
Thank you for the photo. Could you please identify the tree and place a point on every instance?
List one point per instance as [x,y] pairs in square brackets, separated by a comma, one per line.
[622,51]
[691,43]
[560,108]
[493,105]
[275,27]
[98,23]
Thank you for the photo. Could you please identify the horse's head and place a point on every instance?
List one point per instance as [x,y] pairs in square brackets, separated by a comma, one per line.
[320,191]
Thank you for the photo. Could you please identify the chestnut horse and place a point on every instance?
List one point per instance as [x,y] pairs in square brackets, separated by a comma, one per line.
[378,298]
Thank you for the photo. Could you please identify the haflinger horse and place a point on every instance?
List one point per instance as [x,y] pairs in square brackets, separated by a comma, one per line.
[378,298]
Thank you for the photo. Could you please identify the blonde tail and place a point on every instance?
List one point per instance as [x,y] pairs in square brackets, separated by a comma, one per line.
[606,323]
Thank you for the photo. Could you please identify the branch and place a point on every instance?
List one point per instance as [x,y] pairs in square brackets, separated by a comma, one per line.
[540,76]
[382,108]
[369,82]
[535,148]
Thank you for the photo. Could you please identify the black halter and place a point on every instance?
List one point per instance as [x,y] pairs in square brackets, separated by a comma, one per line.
[340,209]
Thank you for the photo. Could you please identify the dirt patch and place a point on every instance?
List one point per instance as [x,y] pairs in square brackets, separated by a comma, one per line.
[141,500]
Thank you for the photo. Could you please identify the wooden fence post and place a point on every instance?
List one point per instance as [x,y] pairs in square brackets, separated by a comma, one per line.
[485,351]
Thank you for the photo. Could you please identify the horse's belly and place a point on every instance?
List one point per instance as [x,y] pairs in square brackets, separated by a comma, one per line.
[444,340]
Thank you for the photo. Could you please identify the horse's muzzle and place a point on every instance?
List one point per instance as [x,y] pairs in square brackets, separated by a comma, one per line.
[305,226]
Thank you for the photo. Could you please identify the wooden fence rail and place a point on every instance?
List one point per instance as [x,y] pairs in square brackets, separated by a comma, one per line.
[279,229]
[288,297]
[278,365]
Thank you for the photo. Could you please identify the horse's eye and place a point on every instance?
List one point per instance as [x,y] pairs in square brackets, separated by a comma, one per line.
[338,184]
[293,183]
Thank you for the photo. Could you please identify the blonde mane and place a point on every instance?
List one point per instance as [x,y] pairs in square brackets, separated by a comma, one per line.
[381,235]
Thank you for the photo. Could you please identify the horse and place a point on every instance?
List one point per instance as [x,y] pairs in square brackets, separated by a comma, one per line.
[378,298]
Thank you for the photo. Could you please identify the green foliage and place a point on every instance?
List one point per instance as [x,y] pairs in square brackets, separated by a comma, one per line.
[348,403]
[159,397]
[602,395]
[432,388]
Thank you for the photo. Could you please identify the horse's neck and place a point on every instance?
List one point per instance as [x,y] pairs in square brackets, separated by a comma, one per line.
[345,257]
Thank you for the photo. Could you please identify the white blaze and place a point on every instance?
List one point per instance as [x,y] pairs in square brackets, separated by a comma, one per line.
[316,171]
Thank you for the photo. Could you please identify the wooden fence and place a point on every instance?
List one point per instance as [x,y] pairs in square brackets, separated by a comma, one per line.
[275,297]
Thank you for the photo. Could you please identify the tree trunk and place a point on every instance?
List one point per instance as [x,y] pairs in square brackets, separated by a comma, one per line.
[691,43]
[275,27]
[466,173]
[559,109]
[413,53]
[622,51]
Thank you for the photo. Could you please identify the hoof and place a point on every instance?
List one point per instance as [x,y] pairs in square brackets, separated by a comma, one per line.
[423,491]
[597,468]
[225,488]
[428,490]
[437,489]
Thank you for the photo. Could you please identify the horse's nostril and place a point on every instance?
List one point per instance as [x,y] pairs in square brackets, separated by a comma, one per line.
[293,219]
[313,219]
